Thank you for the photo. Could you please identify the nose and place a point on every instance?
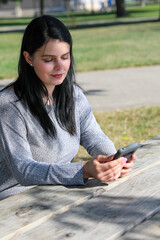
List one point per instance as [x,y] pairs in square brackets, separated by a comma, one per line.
[58,64]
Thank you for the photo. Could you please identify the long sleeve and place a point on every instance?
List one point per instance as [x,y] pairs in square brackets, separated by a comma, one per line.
[92,137]
[15,149]
[29,157]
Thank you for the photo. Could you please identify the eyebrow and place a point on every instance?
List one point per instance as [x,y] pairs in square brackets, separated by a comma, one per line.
[50,55]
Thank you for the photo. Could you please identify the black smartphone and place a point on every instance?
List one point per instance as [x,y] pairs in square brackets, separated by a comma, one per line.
[127,151]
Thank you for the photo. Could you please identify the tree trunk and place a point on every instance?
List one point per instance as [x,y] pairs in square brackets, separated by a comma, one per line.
[92,6]
[41,7]
[121,11]
[67,5]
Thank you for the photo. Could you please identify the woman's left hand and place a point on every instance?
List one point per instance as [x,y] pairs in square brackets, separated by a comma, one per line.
[128,166]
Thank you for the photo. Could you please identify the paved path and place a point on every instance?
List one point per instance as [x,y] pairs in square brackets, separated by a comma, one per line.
[120,88]
[88,24]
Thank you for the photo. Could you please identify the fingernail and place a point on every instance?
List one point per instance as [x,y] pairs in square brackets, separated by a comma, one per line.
[125,159]
[110,158]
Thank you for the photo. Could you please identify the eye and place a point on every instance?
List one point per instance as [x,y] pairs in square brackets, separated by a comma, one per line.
[47,60]
[66,56]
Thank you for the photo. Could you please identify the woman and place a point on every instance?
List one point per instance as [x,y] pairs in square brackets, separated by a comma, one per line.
[45,116]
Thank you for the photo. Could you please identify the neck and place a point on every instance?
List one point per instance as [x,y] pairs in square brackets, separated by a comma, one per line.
[49,100]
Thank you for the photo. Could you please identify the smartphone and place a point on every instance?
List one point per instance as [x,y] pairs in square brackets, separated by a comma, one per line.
[127,151]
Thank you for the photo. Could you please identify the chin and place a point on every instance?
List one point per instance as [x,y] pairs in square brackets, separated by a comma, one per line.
[58,82]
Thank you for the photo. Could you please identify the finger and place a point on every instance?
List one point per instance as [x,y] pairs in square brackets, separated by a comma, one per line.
[124,172]
[109,171]
[113,177]
[102,158]
[110,158]
[128,165]
[133,157]
[111,174]
[122,161]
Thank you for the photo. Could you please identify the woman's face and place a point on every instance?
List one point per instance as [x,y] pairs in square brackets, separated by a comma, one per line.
[51,63]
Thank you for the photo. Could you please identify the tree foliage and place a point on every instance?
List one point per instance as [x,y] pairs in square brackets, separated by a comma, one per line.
[41,2]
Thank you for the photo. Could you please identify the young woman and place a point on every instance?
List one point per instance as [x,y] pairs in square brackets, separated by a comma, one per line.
[45,116]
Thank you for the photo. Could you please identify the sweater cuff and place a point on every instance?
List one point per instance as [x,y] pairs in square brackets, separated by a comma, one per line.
[78,178]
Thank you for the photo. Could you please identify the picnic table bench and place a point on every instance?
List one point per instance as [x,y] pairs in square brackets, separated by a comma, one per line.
[128,208]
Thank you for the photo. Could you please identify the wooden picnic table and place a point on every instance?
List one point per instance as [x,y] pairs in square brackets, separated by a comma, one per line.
[128,208]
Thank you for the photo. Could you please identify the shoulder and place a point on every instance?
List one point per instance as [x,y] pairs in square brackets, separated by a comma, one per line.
[9,102]
[77,91]
[81,102]
[79,94]
[7,96]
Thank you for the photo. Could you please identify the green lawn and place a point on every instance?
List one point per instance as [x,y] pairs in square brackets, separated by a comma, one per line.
[116,47]
[9,53]
[96,48]
[127,126]
[133,12]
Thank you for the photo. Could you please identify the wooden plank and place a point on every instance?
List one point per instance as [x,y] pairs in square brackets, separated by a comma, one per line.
[33,207]
[148,154]
[41,203]
[107,216]
[148,230]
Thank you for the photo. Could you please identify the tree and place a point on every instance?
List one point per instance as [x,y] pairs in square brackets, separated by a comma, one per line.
[41,7]
[18,9]
[92,6]
[121,11]
[67,5]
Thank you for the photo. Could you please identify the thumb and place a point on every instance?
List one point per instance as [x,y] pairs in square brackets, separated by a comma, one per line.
[110,158]
[103,158]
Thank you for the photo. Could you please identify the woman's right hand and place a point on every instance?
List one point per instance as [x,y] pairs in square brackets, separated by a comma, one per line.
[103,168]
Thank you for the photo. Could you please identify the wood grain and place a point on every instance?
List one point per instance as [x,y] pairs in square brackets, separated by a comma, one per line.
[148,230]
[109,215]
[33,209]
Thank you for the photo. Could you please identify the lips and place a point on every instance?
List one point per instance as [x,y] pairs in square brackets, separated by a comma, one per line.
[57,75]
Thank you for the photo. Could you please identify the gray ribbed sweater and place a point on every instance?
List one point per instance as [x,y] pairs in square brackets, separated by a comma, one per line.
[29,157]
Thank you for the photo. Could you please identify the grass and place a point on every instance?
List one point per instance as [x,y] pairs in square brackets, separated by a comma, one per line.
[116,47]
[133,12]
[143,11]
[111,47]
[127,126]
[9,54]
[151,10]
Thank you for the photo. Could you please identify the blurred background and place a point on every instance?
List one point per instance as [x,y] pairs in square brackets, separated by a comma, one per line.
[107,34]
[30,8]
[22,8]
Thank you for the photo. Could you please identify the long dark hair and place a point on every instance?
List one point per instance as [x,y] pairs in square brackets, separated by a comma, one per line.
[30,89]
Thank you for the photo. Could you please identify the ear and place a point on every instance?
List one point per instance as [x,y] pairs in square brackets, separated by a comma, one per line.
[27,58]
